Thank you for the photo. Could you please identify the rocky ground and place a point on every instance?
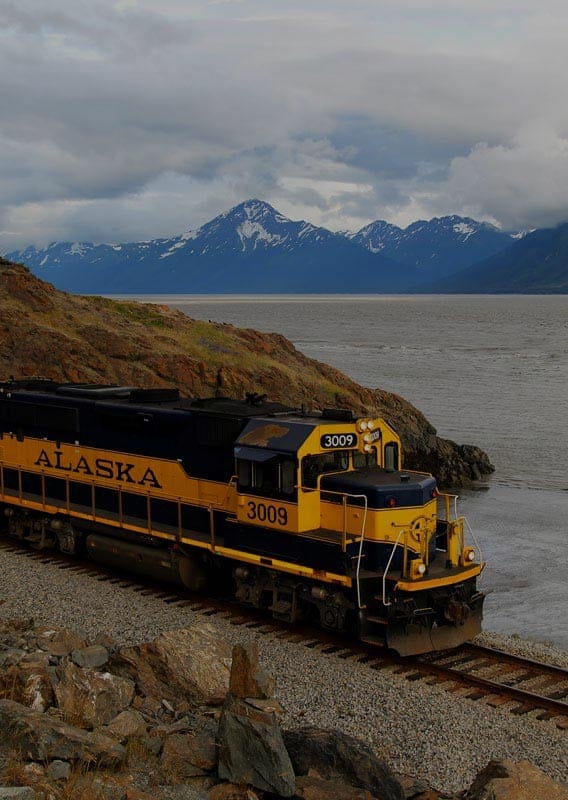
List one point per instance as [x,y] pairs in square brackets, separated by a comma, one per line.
[92,339]
[439,739]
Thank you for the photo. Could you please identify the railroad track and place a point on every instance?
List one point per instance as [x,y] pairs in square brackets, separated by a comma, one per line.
[503,680]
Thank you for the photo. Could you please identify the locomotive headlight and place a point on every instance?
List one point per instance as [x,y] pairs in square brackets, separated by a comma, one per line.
[468,555]
[367,448]
[363,425]
[370,425]
[367,438]
[417,569]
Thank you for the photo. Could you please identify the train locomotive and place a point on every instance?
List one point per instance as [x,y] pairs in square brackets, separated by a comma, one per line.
[308,515]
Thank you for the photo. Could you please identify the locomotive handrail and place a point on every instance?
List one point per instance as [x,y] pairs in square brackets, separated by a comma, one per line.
[344,496]
[447,498]
[364,497]
[385,602]
[475,541]
[91,510]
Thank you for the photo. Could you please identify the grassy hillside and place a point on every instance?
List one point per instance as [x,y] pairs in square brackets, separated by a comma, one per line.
[49,333]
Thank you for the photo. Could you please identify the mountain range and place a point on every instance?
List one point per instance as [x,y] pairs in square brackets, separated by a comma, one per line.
[252,248]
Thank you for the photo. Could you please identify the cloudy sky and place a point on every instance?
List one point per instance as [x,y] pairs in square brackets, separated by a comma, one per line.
[129,119]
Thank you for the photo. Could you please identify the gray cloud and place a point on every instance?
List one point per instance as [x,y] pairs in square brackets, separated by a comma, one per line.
[122,121]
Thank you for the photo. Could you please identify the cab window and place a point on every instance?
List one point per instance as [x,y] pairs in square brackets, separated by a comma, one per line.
[274,478]
[362,460]
[391,457]
[314,466]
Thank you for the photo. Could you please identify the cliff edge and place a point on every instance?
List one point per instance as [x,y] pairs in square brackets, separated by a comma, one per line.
[47,332]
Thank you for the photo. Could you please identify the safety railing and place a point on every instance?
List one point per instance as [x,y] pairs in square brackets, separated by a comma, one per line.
[145,522]
[458,524]
[345,497]
[387,602]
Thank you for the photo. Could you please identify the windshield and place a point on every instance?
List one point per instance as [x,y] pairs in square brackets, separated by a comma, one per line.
[362,460]
[313,466]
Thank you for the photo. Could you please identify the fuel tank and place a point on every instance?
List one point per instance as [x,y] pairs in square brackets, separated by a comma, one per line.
[158,563]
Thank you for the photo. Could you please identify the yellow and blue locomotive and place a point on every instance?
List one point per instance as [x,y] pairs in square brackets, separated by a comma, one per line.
[308,515]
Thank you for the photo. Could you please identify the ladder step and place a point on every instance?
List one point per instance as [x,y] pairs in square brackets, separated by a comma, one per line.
[378,620]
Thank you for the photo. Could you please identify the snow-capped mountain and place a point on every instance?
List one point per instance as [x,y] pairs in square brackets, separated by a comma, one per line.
[250,248]
[248,227]
[253,248]
[537,263]
[439,247]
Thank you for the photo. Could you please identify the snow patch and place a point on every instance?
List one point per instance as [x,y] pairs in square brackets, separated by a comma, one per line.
[173,248]
[254,230]
[77,249]
[305,229]
[191,235]
[464,229]
[42,262]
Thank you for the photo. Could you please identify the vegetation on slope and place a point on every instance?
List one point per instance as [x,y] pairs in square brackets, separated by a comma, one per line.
[49,333]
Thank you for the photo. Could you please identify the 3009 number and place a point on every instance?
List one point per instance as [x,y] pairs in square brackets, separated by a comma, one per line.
[267,513]
[331,440]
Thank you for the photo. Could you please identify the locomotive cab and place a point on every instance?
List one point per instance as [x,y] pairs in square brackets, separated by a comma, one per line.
[336,488]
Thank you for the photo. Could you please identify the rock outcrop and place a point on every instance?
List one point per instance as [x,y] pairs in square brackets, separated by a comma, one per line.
[509,780]
[42,737]
[66,337]
[251,748]
[335,756]
[191,664]
[236,752]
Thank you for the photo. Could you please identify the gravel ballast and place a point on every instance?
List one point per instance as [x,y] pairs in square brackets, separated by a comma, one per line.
[420,730]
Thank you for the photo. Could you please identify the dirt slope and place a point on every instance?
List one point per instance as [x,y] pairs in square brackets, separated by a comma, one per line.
[67,337]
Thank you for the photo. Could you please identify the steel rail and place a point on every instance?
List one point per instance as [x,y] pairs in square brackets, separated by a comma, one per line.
[502,656]
[527,698]
[334,644]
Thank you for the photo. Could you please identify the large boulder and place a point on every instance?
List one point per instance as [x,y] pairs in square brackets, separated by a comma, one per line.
[43,738]
[38,687]
[92,657]
[509,780]
[248,678]
[28,683]
[188,664]
[59,642]
[187,755]
[251,749]
[89,699]
[309,788]
[128,724]
[336,756]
